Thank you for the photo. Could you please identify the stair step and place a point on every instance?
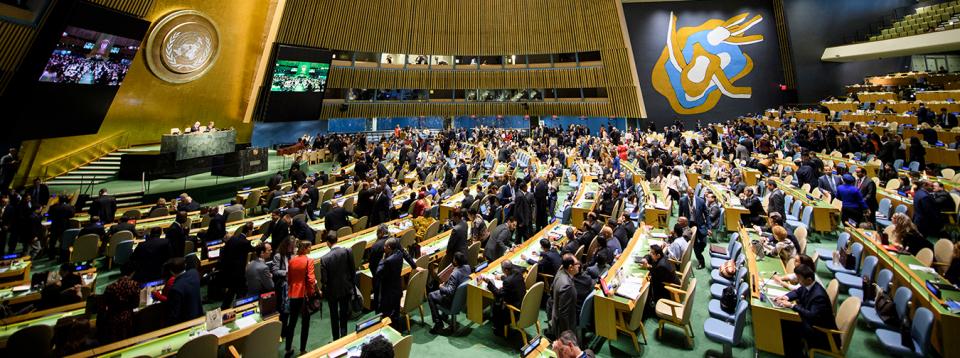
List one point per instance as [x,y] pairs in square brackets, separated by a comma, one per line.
[100,167]
[106,163]
[86,178]
[73,182]
[84,171]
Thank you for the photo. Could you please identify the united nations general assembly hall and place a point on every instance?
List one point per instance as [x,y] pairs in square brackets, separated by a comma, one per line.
[479,178]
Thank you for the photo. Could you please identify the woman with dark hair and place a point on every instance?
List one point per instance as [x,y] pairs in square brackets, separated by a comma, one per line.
[917,152]
[302,284]
[278,269]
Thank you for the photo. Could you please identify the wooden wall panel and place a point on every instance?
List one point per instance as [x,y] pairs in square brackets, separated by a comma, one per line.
[470,28]
[138,8]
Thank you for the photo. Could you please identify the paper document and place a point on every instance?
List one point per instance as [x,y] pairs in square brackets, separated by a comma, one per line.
[922,268]
[659,235]
[245,322]
[630,288]
[220,331]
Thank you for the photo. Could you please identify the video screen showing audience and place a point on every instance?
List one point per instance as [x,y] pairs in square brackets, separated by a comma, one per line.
[299,76]
[90,58]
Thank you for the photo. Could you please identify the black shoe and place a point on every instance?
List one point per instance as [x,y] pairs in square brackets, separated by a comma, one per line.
[437,328]
[701,267]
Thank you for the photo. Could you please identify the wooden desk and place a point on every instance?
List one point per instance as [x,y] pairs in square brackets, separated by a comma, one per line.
[353,342]
[435,248]
[841,106]
[165,342]
[657,208]
[606,309]
[455,200]
[767,318]
[732,208]
[944,321]
[825,216]
[477,292]
[48,317]
[16,272]
[88,279]
[543,350]
[895,199]
[582,205]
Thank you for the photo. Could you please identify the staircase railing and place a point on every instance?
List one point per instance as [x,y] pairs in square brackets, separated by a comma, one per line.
[84,155]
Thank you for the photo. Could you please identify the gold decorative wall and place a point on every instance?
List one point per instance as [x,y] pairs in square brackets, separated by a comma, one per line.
[146,107]
[471,28]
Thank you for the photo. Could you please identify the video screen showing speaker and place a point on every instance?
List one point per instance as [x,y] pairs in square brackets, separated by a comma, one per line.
[70,76]
[294,90]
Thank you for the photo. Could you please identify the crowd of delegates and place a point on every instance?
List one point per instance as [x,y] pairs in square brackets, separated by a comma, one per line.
[522,205]
[79,69]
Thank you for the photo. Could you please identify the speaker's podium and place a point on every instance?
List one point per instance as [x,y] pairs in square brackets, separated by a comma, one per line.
[188,154]
[242,162]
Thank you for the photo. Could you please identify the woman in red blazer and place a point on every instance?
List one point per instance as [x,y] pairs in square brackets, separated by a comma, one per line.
[302,284]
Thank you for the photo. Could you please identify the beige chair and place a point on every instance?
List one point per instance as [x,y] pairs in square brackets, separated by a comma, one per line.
[943,254]
[349,190]
[579,254]
[846,319]
[431,230]
[893,184]
[528,313]
[348,204]
[414,295]
[473,254]
[360,224]
[235,216]
[925,256]
[678,313]
[424,261]
[680,289]
[789,267]
[833,288]
[199,347]
[801,234]
[132,214]
[409,238]
[264,341]
[402,348]
[158,212]
[948,173]
[805,187]
[344,232]
[634,322]
[357,249]
[85,248]
[592,249]
[327,195]
[116,239]
[253,201]
[531,276]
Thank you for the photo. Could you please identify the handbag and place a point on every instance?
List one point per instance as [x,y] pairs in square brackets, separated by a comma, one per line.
[314,303]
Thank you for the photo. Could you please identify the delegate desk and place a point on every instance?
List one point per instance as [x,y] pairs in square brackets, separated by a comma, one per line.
[909,272]
[895,199]
[767,318]
[940,155]
[944,136]
[26,293]
[608,310]
[477,292]
[732,208]
[167,341]
[455,200]
[48,317]
[837,106]
[871,167]
[587,197]
[196,145]
[866,117]
[435,248]
[903,107]
[825,216]
[351,344]
[657,206]
[15,271]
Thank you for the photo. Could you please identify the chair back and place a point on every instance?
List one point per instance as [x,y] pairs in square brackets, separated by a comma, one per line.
[115,239]
[459,299]
[685,275]
[901,300]
[31,341]
[344,231]
[360,224]
[787,202]
[85,248]
[636,316]
[688,301]
[132,214]
[264,341]
[833,288]
[253,200]
[199,347]
[235,216]
[920,330]
[594,246]
[795,210]
[188,247]
[416,291]
[473,254]
[883,280]
[925,256]
[842,240]
[869,266]
[914,166]
[884,207]
[739,321]
[789,266]
[586,313]
[123,251]
[846,318]
[409,238]
[158,212]
[943,251]
[530,307]
[531,276]
[357,249]
[807,215]
[857,252]
[423,261]
[70,235]
[149,319]
[348,203]
[402,348]
[327,195]
[431,230]
[901,209]
[893,184]
[805,187]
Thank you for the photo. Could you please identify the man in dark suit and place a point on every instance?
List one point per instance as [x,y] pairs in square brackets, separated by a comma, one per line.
[625,229]
[60,215]
[383,207]
[299,228]
[926,214]
[178,234]
[499,241]
[218,226]
[811,302]
[337,217]
[807,174]
[314,196]
[776,201]
[443,296]
[684,208]
[700,219]
[563,312]
[662,272]
[752,203]
[336,275]
[183,301]
[467,199]
[946,120]
[39,193]
[233,263]
[277,229]
[869,191]
[125,224]
[274,182]
[522,211]
[388,275]
[549,260]
[104,206]
[541,192]
[149,256]
[458,237]
[510,293]
[187,204]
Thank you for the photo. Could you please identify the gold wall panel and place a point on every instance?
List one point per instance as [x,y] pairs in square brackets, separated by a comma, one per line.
[146,106]
[470,28]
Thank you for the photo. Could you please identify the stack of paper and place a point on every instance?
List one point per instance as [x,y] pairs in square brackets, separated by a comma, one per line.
[630,288]
[922,268]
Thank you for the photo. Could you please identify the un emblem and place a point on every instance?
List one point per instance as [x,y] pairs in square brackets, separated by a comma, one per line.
[182,46]
[699,64]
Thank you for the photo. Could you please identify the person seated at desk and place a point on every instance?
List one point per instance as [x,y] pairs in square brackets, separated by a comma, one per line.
[790,280]
[125,224]
[149,256]
[378,347]
[510,293]
[187,204]
[549,259]
[196,127]
[904,235]
[93,227]
[211,127]
[443,296]
[625,229]
[62,288]
[953,271]
[217,229]
[811,302]
[662,272]
[679,239]
[183,303]
[752,203]
[115,308]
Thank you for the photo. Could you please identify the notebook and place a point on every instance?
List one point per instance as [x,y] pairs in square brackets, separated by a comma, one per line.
[630,288]
[719,250]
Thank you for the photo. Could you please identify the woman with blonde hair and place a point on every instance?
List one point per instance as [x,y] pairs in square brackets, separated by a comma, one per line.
[905,235]
[782,246]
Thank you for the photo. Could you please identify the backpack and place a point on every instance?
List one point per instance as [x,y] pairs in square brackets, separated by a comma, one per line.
[886,309]
[728,299]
